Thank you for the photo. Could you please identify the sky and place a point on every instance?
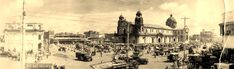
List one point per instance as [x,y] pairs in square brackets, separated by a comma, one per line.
[102,15]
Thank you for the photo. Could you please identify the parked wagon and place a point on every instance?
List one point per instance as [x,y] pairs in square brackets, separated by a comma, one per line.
[84,56]
[173,57]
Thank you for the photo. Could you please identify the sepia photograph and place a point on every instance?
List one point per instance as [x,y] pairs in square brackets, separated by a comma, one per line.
[116,34]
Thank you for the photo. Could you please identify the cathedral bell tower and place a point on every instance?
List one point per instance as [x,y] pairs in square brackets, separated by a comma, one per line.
[121,24]
[121,20]
[139,21]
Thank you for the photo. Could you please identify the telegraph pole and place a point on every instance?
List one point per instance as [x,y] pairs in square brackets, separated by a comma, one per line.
[22,55]
[127,38]
[184,18]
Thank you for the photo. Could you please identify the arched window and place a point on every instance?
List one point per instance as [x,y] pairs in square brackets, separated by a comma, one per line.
[125,31]
[144,39]
[153,40]
[159,40]
[39,46]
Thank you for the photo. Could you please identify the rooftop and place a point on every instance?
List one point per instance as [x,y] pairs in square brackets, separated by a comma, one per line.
[156,26]
[230,22]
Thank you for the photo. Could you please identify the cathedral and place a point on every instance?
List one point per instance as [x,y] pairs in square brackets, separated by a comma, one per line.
[140,32]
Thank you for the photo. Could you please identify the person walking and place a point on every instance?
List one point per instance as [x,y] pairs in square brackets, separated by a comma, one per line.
[101,53]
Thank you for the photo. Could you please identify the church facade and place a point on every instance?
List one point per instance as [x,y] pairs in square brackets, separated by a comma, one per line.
[138,32]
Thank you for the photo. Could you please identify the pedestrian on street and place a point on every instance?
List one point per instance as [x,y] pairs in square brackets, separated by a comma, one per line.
[167,67]
[155,53]
[101,53]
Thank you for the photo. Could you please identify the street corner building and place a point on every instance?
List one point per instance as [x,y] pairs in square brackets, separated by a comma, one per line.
[33,37]
[141,32]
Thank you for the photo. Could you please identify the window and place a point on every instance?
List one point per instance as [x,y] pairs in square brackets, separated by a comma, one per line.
[39,37]
[222,30]
[39,46]
[144,39]
[159,40]
[29,25]
[162,31]
[157,31]
[228,32]
[39,26]
[153,40]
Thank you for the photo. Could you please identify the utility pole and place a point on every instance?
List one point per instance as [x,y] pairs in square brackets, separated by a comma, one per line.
[184,39]
[185,18]
[23,33]
[128,38]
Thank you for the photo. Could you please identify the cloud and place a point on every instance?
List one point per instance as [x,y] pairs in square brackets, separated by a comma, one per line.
[169,6]
[102,15]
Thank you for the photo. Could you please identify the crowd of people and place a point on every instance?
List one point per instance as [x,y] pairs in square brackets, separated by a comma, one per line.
[154,49]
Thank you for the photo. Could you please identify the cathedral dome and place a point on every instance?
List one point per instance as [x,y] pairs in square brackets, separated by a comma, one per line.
[171,22]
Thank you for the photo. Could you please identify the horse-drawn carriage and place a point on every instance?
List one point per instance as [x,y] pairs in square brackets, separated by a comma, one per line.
[62,49]
[194,60]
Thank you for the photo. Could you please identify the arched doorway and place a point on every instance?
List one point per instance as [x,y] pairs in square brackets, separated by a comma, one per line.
[159,40]
[159,35]
[124,40]
[125,32]
[153,40]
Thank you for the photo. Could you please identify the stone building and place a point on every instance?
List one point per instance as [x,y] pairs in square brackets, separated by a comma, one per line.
[227,30]
[68,38]
[91,34]
[48,37]
[33,37]
[195,37]
[110,38]
[94,36]
[141,32]
[206,36]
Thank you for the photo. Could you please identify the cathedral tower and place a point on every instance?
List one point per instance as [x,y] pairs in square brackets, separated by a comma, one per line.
[139,21]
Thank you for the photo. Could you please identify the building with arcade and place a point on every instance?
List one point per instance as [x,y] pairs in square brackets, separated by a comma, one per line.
[140,32]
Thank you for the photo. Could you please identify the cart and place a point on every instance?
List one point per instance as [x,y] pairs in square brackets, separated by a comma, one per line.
[173,57]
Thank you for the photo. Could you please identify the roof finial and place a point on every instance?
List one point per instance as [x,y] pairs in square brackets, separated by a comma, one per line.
[121,17]
[171,15]
[138,13]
